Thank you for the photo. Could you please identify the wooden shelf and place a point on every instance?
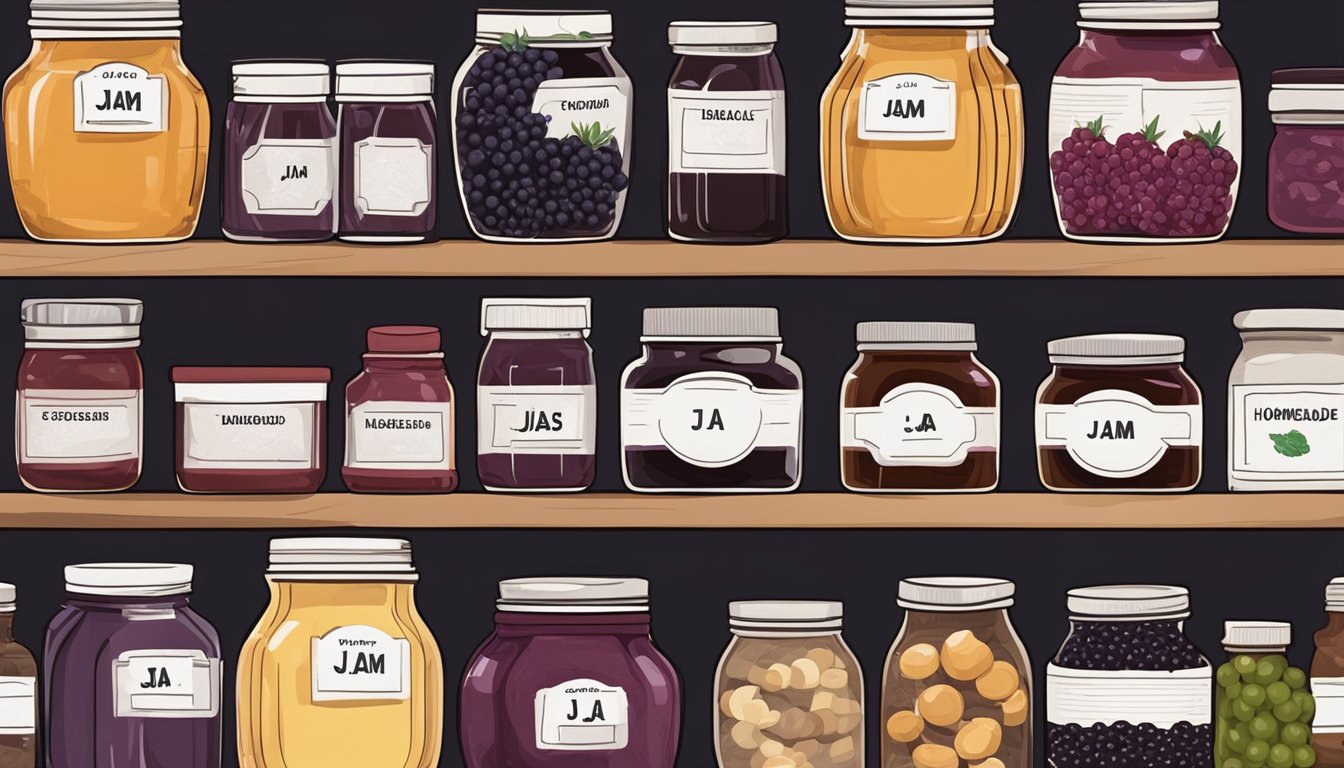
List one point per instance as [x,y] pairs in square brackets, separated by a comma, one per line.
[630,511]
[639,258]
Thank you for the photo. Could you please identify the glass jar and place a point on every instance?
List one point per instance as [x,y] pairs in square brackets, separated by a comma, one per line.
[106,130]
[279,153]
[922,127]
[388,128]
[713,404]
[957,684]
[1146,124]
[132,673]
[341,669]
[536,396]
[1264,715]
[788,686]
[542,113]
[1119,414]
[399,415]
[1306,160]
[570,678]
[919,413]
[726,128]
[1327,681]
[1285,400]
[1127,686]
[18,691]
[78,426]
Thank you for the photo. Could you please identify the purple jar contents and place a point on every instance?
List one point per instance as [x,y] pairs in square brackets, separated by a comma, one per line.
[567,646]
[536,396]
[1306,160]
[388,129]
[1146,124]
[131,673]
[18,692]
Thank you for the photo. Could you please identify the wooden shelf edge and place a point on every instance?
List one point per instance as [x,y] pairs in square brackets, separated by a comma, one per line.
[808,511]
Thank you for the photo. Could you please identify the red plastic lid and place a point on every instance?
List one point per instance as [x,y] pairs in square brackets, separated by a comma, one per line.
[403,339]
[249,374]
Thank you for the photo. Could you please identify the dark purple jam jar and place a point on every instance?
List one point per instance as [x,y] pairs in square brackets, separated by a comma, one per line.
[388,129]
[570,678]
[536,396]
[726,134]
[279,153]
[132,674]
[1306,160]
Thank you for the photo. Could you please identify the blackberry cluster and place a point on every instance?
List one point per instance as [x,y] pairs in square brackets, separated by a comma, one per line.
[1134,187]
[516,181]
[1123,745]
[1133,645]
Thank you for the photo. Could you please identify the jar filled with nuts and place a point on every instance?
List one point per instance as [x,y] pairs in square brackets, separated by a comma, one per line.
[789,691]
[956,692]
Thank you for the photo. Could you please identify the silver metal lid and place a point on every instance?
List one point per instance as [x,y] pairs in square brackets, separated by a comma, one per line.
[760,323]
[786,615]
[104,19]
[955,593]
[1117,349]
[1334,595]
[574,595]
[82,319]
[128,579]
[929,334]
[8,597]
[1129,602]
[1149,14]
[721,33]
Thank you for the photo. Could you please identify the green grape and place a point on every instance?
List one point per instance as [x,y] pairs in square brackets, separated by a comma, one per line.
[1278,692]
[1304,757]
[1295,734]
[1245,666]
[1232,762]
[1234,691]
[1228,674]
[1305,703]
[1295,678]
[1257,751]
[1263,727]
[1224,708]
[1287,712]
[1268,670]
[1242,711]
[1280,756]
[1237,738]
[1253,694]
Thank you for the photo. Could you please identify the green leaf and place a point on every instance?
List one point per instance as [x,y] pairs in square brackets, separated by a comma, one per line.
[1293,444]
[1150,132]
[515,42]
[1212,138]
[585,35]
[592,134]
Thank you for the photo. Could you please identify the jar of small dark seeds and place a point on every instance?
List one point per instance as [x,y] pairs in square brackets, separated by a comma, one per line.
[1128,688]
[542,117]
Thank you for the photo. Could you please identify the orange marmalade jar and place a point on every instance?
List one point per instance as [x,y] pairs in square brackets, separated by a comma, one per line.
[107,132]
[921,129]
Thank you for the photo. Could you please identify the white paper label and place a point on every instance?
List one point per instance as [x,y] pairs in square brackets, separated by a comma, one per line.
[585,100]
[1089,697]
[361,663]
[166,684]
[1118,434]
[908,107]
[1329,695]
[582,716]
[18,705]
[726,131]
[552,420]
[711,419]
[393,177]
[120,98]
[1287,432]
[920,425]
[78,426]
[249,436]
[400,435]
[289,177]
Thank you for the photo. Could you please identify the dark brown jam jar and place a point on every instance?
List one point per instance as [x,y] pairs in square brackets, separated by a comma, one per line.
[713,405]
[918,412]
[1119,414]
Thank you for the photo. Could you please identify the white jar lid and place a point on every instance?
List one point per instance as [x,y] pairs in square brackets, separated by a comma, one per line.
[952,336]
[1307,96]
[279,78]
[1129,602]
[103,19]
[128,579]
[786,615]
[536,315]
[82,319]
[955,593]
[545,29]
[384,81]
[954,14]
[1149,14]
[1334,595]
[8,597]
[1117,349]
[574,595]
[753,323]
[721,33]
[341,559]
[1290,320]
[1250,635]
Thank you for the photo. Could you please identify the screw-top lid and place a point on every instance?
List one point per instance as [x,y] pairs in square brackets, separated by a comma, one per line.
[104,19]
[384,81]
[1290,320]
[751,323]
[574,595]
[1149,14]
[128,579]
[1308,96]
[279,79]
[341,559]
[687,36]
[1334,595]
[536,315]
[950,336]
[82,319]
[1257,635]
[970,14]
[544,29]
[955,593]
[1129,602]
[8,597]
[793,616]
[1117,349]
[403,339]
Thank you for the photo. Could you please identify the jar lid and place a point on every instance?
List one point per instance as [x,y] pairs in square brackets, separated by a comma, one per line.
[721,33]
[545,29]
[341,559]
[82,319]
[8,597]
[128,579]
[403,339]
[1311,95]
[741,323]
[1290,320]
[953,336]
[1129,602]
[1117,349]
[574,595]
[1334,595]
[1149,14]
[281,78]
[955,593]
[920,13]
[103,19]
[786,615]
[574,314]
[384,81]
[1257,634]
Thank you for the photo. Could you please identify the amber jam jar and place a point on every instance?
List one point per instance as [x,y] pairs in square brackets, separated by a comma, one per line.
[1119,413]
[918,411]
[79,393]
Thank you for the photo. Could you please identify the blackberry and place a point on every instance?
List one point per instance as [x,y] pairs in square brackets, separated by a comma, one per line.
[1129,645]
[1125,745]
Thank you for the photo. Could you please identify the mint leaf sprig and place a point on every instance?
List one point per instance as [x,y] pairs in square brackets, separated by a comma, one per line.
[592,134]
[1292,444]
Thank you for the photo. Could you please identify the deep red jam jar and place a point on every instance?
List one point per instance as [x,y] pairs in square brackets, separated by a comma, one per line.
[399,433]
[78,421]
[536,396]
[1306,160]
[570,678]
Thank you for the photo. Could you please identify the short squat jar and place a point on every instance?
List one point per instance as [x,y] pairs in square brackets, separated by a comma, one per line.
[1306,160]
[279,153]
[726,134]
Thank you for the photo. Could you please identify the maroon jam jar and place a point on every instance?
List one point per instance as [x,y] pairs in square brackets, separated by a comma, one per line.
[1306,160]
[78,422]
